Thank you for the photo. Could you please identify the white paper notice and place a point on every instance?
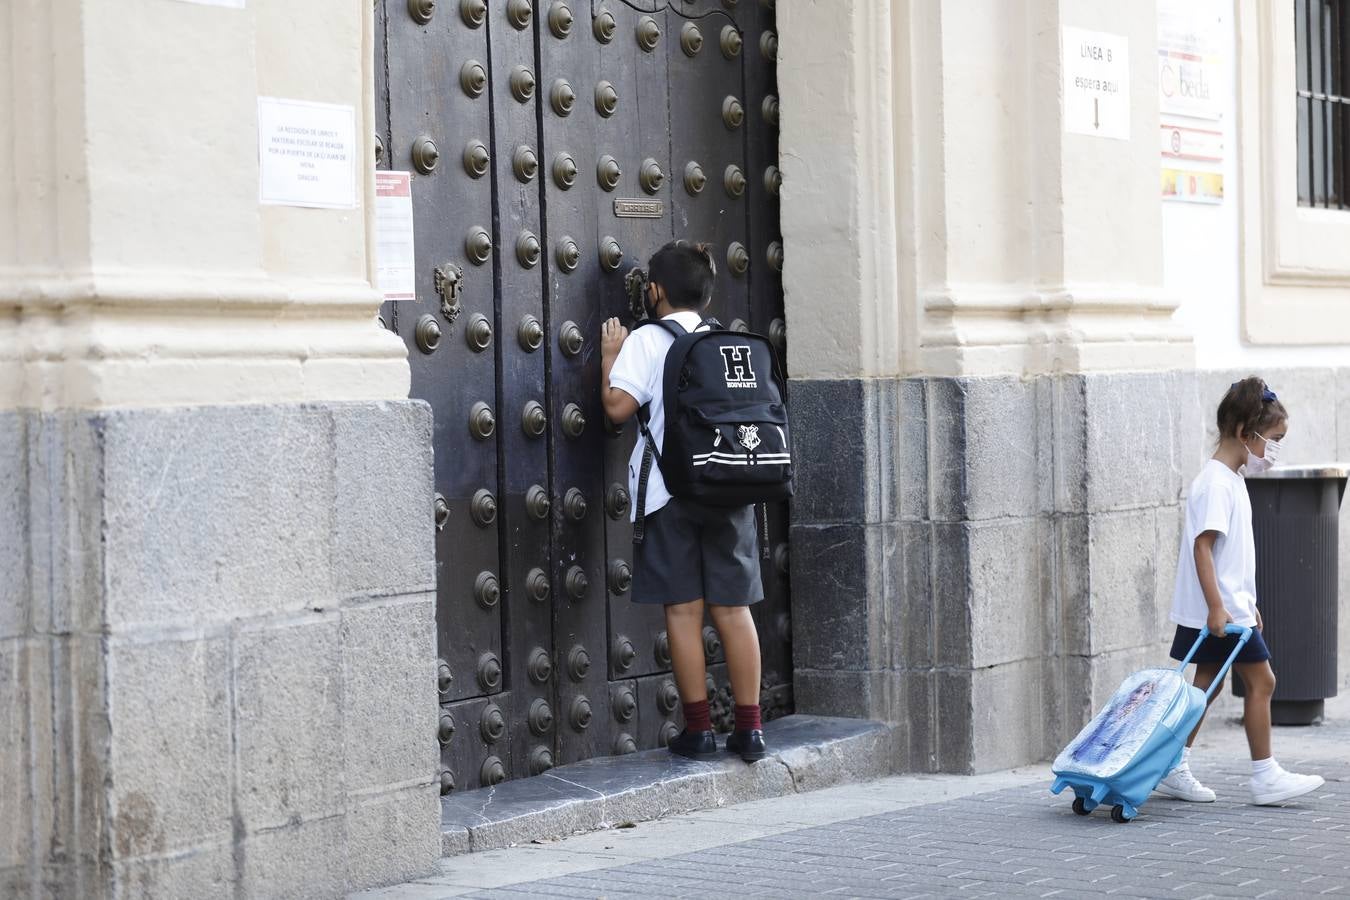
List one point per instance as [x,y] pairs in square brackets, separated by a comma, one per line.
[233,4]
[306,153]
[395,274]
[1096,83]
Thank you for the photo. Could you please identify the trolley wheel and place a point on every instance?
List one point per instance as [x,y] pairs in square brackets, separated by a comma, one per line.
[1118,814]
[1080,807]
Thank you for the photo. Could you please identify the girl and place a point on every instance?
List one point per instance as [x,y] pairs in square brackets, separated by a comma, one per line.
[1216,584]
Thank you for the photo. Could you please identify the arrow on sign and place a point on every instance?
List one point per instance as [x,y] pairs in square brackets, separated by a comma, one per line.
[1096,119]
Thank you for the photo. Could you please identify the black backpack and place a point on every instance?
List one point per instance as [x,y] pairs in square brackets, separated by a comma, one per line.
[727,441]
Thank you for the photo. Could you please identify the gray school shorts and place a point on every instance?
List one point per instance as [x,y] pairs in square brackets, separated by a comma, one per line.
[693,551]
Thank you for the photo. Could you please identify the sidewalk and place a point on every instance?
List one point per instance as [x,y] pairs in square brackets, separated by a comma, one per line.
[977,836]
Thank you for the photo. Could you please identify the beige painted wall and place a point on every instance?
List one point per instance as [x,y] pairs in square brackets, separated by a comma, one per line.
[938,219]
[138,267]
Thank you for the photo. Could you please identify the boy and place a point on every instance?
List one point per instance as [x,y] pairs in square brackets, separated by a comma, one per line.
[692,555]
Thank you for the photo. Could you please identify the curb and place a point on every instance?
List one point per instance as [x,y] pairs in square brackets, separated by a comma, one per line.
[807,753]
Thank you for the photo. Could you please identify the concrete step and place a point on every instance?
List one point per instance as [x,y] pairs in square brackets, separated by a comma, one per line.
[805,753]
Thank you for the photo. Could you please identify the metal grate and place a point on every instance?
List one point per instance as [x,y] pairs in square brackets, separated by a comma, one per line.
[1322,32]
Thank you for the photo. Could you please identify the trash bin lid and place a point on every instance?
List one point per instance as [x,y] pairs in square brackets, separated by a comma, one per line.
[1314,470]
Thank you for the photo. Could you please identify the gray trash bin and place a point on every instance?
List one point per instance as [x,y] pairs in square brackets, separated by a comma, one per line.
[1295,517]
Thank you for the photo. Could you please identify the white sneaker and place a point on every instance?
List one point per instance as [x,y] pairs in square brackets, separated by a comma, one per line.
[1182,785]
[1279,786]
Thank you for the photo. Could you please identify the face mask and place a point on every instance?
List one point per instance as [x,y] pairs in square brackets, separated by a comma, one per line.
[1256,464]
[1273,451]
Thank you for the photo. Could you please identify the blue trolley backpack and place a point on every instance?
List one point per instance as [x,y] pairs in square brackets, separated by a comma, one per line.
[726,439]
[1137,738]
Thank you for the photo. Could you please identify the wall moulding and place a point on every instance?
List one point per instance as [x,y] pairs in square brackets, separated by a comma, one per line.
[1295,273]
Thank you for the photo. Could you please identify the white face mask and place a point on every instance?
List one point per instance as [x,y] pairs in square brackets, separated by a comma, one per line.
[1256,463]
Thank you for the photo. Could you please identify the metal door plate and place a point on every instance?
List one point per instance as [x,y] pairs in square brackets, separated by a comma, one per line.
[637,208]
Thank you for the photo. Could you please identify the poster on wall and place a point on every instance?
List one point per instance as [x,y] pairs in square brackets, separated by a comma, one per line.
[1191,94]
[1096,66]
[1189,186]
[306,153]
[395,270]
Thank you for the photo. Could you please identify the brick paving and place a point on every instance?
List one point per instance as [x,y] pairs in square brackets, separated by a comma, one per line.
[1018,842]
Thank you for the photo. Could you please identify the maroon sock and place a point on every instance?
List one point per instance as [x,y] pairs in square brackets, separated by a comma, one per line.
[747,717]
[697,717]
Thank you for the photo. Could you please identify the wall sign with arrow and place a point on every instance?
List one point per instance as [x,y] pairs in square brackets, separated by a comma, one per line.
[1096,67]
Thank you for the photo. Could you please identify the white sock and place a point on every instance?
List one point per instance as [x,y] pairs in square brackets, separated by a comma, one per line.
[1263,767]
[1186,756]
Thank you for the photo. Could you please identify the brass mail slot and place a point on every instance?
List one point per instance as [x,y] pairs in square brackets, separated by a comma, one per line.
[639,209]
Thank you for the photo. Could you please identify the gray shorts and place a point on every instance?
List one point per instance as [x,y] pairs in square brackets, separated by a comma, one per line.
[693,551]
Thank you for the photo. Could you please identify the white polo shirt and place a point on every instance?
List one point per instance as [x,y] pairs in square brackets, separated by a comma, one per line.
[1218,501]
[639,372]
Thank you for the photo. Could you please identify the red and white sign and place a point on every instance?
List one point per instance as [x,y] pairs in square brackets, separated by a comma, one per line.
[395,272]
[1186,142]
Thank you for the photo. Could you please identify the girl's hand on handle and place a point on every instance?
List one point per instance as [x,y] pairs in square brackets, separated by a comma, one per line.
[1260,622]
[1218,618]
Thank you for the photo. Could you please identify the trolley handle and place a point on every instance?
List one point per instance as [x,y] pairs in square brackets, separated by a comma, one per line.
[1244,633]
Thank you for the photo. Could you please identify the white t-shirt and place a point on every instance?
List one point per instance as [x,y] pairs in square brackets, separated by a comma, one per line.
[1218,502]
[639,371]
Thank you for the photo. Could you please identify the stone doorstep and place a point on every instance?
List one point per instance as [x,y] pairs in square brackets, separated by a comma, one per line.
[806,753]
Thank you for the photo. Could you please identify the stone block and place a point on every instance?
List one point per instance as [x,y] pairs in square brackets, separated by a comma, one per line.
[392,837]
[65,522]
[1071,600]
[953,722]
[288,708]
[950,551]
[817,761]
[1310,395]
[1131,419]
[454,840]
[215,512]
[15,596]
[1065,444]
[305,860]
[829,422]
[77,758]
[1007,612]
[835,586]
[1124,579]
[1189,445]
[908,473]
[841,692]
[984,433]
[913,700]
[1169,521]
[1343,415]
[389,701]
[169,715]
[383,471]
[913,605]
[206,872]
[1008,720]
[16,801]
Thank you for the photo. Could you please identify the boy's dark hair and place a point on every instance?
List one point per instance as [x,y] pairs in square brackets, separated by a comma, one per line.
[1251,405]
[686,273]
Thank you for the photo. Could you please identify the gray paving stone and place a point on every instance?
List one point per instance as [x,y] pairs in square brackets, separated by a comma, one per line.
[1022,842]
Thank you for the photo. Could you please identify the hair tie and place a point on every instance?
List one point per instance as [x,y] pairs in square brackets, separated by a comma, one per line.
[1267,395]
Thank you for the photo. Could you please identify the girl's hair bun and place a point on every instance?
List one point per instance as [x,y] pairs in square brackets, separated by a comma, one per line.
[1251,405]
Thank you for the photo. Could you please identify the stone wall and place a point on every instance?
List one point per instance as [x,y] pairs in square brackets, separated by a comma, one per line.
[986,558]
[217,651]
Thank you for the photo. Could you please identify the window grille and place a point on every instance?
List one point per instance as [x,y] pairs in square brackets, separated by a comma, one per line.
[1322,32]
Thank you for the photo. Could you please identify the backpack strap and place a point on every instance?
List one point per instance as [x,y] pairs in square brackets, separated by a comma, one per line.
[649,451]
[644,473]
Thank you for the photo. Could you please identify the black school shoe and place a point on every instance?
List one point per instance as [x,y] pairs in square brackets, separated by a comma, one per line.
[749,743]
[694,744]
